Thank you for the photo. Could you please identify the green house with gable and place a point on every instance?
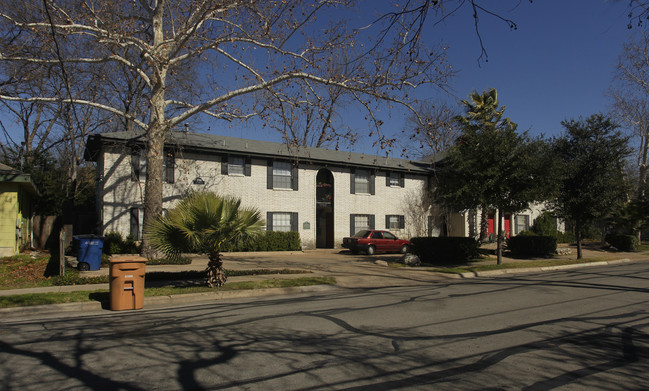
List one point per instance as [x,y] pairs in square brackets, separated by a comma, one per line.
[17,197]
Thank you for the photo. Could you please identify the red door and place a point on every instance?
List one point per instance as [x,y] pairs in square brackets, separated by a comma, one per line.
[490,224]
[508,221]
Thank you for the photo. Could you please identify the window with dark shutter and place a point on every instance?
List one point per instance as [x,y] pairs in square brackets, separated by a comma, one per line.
[247,169]
[168,169]
[135,226]
[360,222]
[282,221]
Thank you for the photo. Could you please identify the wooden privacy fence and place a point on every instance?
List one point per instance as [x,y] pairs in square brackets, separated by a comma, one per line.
[46,229]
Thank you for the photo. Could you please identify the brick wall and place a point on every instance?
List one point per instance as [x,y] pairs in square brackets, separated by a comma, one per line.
[120,193]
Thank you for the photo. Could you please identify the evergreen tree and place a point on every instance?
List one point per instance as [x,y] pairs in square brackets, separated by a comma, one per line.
[591,153]
[491,165]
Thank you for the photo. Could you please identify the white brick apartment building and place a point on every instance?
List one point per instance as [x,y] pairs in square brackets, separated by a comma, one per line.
[323,194]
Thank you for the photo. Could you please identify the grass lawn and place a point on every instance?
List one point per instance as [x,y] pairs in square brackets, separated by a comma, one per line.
[103,295]
[517,265]
[23,271]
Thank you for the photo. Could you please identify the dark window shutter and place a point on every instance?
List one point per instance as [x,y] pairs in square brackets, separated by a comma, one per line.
[269,221]
[169,168]
[430,225]
[371,221]
[387,221]
[387,178]
[135,224]
[294,175]
[294,222]
[372,178]
[269,178]
[352,221]
[402,180]
[224,165]
[352,181]
[247,170]
[135,165]
[402,222]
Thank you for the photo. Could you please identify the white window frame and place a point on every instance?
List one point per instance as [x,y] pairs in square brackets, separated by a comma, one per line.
[362,181]
[395,179]
[236,165]
[526,224]
[282,221]
[357,226]
[282,175]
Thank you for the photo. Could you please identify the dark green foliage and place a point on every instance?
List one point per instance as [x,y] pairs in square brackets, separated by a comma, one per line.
[444,250]
[532,246]
[623,242]
[268,241]
[114,243]
[72,278]
[169,261]
[565,237]
[50,175]
[545,225]
[491,165]
[526,233]
[593,183]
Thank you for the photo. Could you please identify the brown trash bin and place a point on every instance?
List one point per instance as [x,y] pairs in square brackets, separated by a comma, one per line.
[126,282]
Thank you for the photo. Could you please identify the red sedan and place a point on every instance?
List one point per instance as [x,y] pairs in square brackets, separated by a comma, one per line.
[372,241]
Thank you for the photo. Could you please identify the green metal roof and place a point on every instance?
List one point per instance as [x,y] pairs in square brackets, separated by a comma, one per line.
[9,174]
[217,144]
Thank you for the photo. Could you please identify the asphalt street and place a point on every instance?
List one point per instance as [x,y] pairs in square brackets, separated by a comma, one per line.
[579,329]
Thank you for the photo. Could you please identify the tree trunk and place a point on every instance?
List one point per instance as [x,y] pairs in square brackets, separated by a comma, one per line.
[156,131]
[484,225]
[499,247]
[153,186]
[578,231]
[215,274]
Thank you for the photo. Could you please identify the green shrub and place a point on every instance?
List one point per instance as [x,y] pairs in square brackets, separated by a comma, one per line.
[114,243]
[532,246]
[545,225]
[526,233]
[623,242]
[267,241]
[444,250]
[565,237]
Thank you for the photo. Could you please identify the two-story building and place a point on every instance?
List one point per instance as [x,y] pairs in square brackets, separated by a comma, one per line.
[323,194]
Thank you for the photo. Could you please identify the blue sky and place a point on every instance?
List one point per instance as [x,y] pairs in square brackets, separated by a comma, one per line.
[557,65]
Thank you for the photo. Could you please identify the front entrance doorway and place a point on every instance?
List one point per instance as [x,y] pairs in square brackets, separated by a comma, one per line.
[324,193]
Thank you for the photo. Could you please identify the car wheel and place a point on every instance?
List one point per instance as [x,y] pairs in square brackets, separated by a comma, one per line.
[371,250]
[83,266]
[404,249]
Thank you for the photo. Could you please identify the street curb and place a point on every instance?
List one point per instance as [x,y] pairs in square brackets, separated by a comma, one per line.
[504,272]
[157,301]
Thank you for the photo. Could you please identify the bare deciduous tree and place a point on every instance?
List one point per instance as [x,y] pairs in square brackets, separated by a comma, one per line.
[235,49]
[630,92]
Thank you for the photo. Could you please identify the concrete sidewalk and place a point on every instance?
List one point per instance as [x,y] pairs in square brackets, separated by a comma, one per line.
[350,271]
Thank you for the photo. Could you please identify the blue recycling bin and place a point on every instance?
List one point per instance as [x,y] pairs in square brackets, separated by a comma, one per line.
[89,251]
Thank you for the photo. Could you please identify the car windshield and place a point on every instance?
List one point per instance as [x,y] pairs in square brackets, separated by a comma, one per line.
[361,234]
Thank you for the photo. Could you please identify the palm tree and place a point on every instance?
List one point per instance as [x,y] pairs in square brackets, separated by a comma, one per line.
[201,223]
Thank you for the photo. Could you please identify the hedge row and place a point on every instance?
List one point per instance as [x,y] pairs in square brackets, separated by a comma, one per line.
[114,243]
[268,241]
[444,250]
[532,246]
[622,242]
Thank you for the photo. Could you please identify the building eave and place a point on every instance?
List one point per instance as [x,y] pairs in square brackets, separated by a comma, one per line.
[222,145]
